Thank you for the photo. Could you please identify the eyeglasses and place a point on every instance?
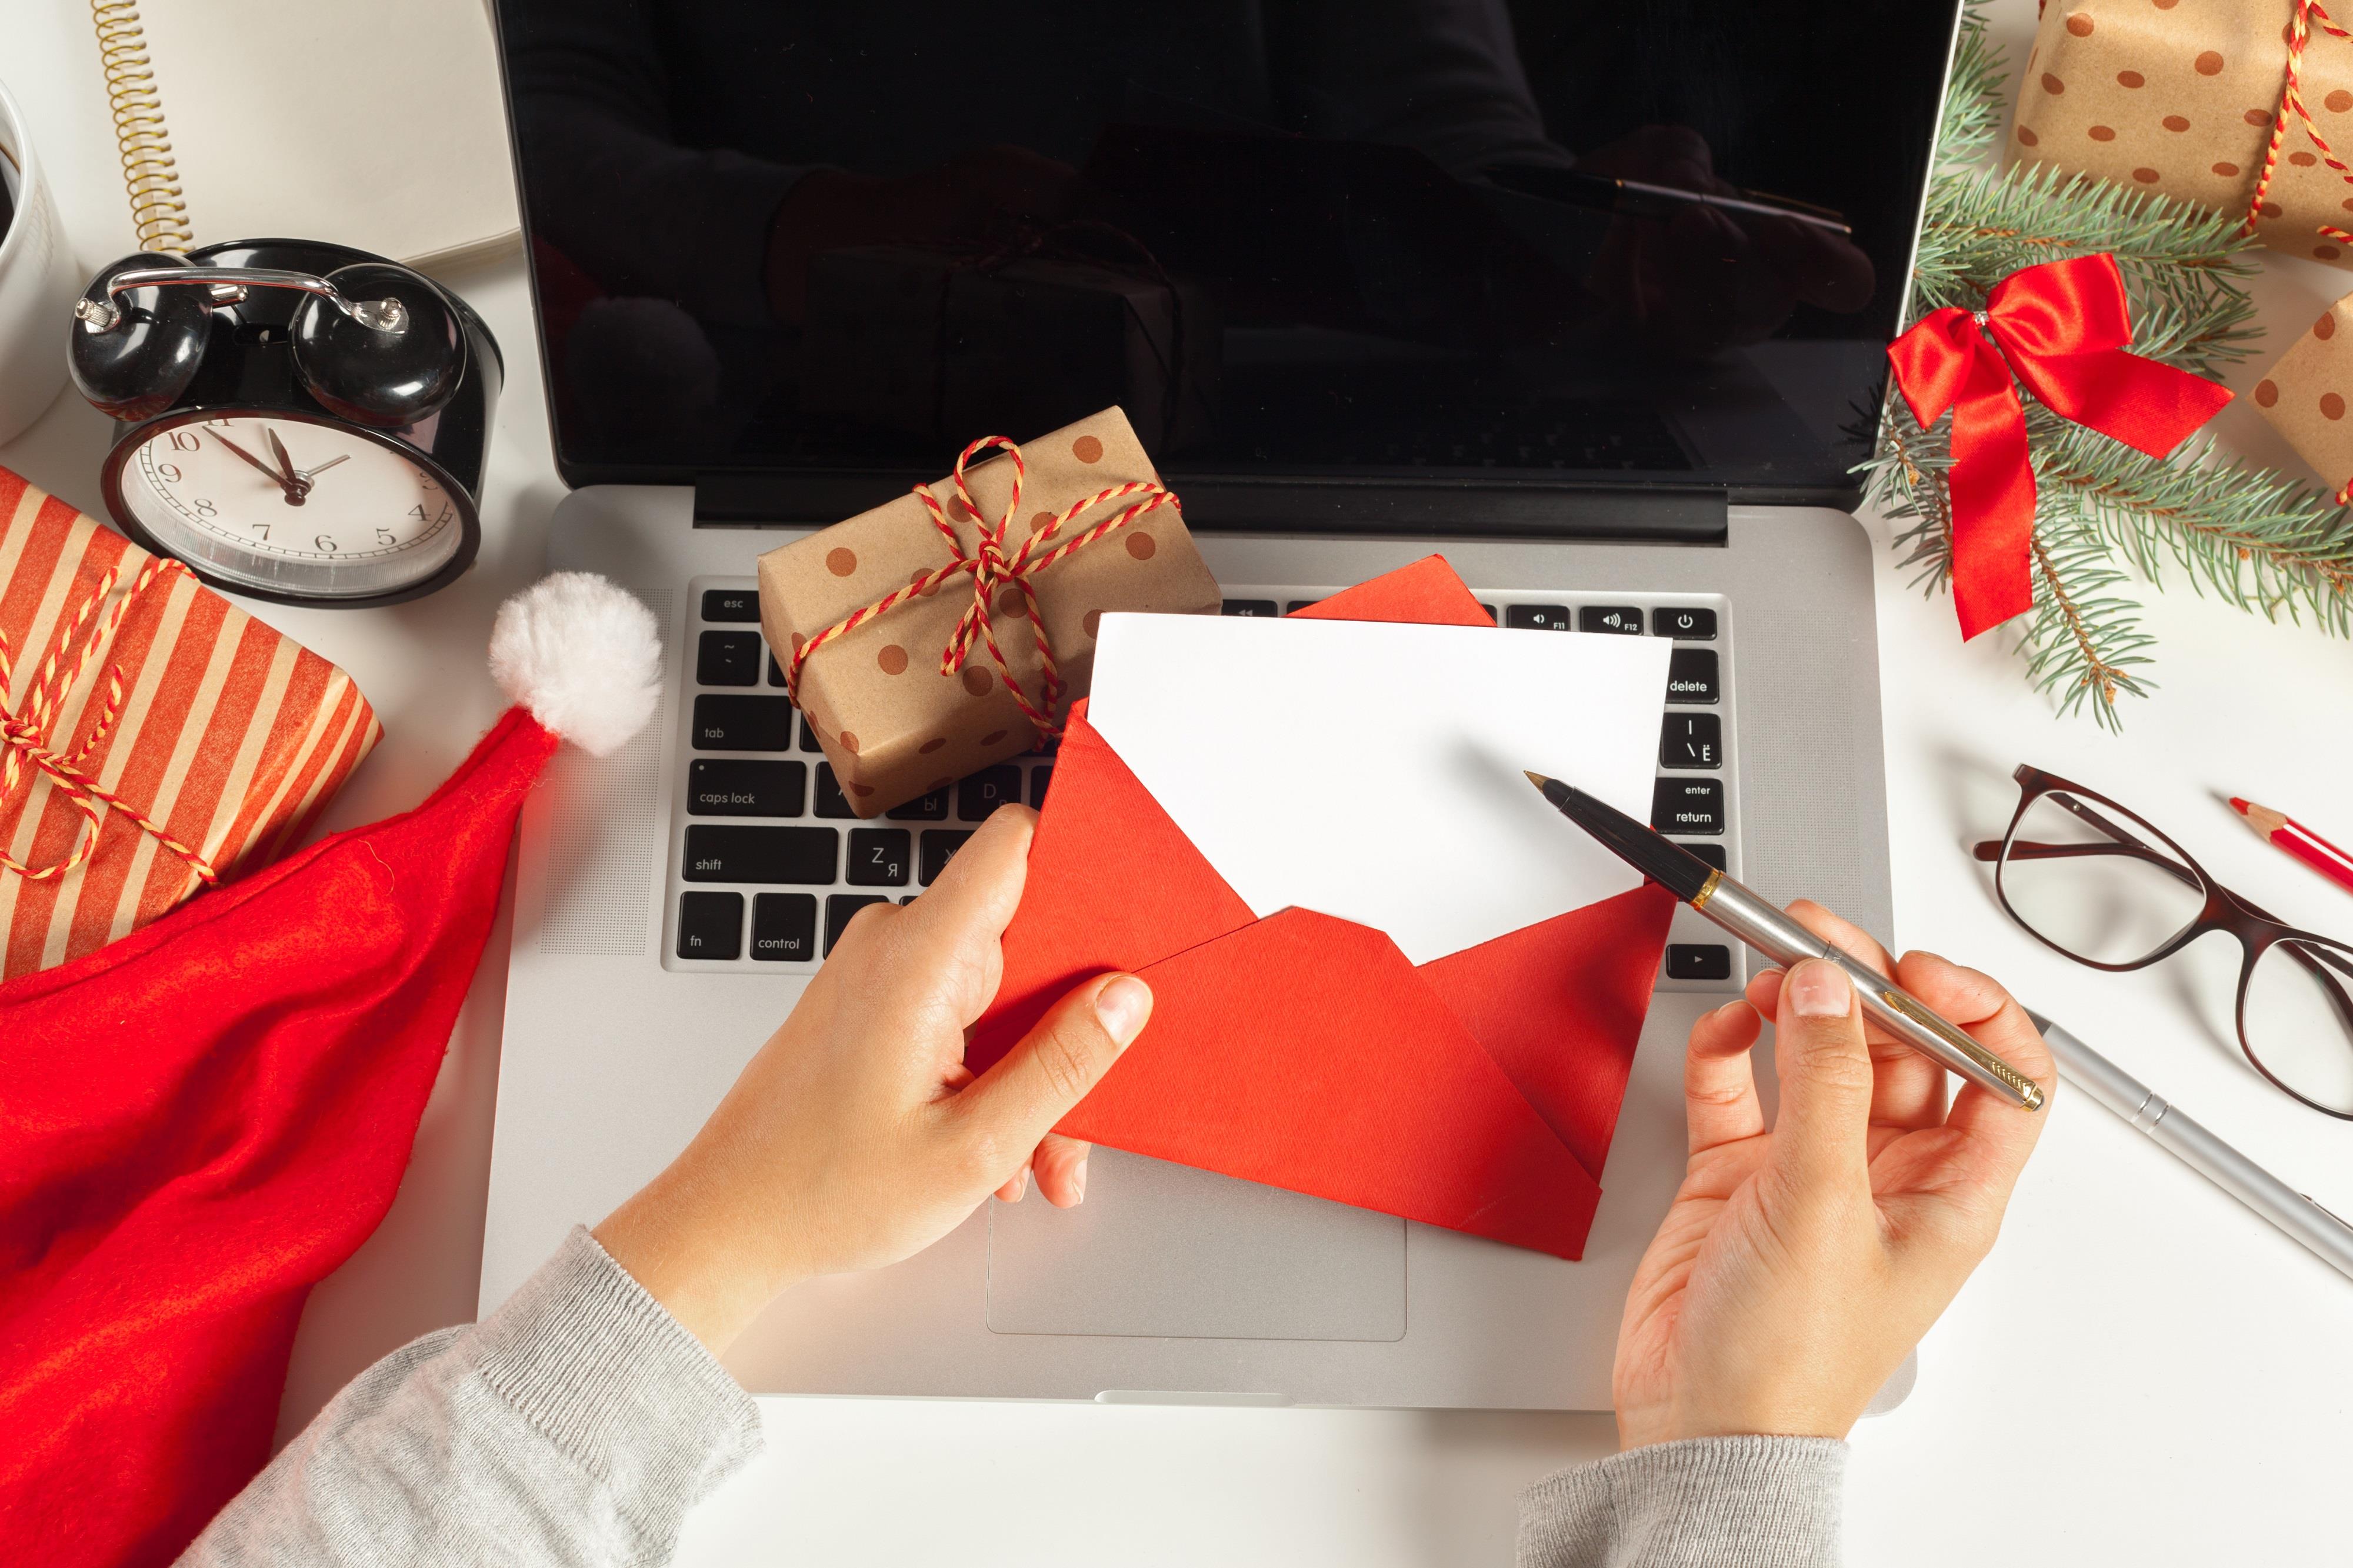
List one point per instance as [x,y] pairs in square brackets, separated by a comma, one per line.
[2099,884]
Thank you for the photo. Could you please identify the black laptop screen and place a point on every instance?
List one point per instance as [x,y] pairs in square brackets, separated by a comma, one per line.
[1632,242]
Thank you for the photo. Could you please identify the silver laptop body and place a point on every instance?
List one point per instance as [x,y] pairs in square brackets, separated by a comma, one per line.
[634,996]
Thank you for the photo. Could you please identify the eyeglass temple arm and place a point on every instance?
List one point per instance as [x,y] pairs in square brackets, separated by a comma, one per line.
[2026,849]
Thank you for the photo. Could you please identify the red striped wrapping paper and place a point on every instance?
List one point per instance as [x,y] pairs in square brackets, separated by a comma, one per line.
[231,738]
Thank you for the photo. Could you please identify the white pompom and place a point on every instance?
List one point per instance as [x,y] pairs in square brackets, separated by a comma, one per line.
[583,655]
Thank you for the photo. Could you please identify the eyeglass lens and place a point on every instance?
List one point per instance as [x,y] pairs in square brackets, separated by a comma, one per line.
[2297,1020]
[2095,881]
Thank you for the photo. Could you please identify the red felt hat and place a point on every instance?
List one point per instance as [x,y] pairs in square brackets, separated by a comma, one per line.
[200,1121]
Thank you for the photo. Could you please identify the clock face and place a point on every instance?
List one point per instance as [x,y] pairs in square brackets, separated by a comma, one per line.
[291,507]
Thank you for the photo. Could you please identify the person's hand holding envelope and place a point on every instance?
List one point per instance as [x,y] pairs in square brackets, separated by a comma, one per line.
[1382,973]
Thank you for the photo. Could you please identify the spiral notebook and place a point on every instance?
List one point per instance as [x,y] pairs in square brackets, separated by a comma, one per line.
[373,125]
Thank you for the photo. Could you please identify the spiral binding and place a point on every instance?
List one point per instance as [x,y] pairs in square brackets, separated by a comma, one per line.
[150,175]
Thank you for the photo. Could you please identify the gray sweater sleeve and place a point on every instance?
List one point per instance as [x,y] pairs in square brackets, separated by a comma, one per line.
[1705,1502]
[573,1426]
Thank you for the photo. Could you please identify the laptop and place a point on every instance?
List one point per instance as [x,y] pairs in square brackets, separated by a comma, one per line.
[1589,297]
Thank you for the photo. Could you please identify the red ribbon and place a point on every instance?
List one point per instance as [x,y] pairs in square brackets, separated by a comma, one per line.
[2060,328]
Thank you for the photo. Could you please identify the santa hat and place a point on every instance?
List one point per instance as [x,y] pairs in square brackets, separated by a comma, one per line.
[200,1121]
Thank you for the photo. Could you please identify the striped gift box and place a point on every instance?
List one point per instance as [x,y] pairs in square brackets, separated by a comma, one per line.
[153,736]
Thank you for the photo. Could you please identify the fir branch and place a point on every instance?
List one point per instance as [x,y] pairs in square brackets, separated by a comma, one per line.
[2252,538]
[1974,104]
[2083,641]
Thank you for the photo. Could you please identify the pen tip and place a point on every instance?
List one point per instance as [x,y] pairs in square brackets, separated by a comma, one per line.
[1535,778]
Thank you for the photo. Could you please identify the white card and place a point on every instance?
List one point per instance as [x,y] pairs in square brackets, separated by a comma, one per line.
[1374,771]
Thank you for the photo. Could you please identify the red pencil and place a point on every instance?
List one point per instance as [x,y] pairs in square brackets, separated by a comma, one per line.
[2299,840]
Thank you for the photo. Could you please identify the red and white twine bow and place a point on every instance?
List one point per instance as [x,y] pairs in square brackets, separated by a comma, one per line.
[992,568]
[25,733]
[2291,102]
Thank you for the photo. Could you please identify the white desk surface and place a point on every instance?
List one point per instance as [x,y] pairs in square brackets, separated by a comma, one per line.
[2143,1372]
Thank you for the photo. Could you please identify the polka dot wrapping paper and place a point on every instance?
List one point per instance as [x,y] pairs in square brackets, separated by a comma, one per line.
[2304,395]
[894,725]
[2180,97]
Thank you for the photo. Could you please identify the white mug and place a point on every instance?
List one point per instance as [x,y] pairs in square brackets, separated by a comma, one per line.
[39,281]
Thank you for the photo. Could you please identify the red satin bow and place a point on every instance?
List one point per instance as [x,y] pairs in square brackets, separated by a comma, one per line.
[2062,328]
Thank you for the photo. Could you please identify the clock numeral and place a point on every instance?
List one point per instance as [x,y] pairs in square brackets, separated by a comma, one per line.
[325,542]
[418,512]
[221,422]
[184,440]
[168,472]
[385,536]
[264,527]
[205,508]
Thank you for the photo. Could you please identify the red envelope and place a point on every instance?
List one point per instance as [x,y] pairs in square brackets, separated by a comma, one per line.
[1477,1091]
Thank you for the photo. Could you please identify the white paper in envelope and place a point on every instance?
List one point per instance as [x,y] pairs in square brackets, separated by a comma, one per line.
[1374,771]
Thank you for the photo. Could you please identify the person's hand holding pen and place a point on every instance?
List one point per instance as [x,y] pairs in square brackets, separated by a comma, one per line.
[857,1136]
[1800,1262]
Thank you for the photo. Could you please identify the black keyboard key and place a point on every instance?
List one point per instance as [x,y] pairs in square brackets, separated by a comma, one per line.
[730,854]
[784,927]
[742,724]
[775,671]
[1692,676]
[1295,605]
[932,807]
[725,787]
[731,604]
[830,801]
[727,658]
[1686,806]
[1623,619]
[809,743]
[1698,961]
[1263,608]
[1491,611]
[1692,740]
[1040,779]
[940,846]
[1537,617]
[879,856]
[710,925]
[1683,624]
[1711,853]
[840,907]
[984,791]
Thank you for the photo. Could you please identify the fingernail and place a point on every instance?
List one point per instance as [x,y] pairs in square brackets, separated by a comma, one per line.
[1818,989]
[1079,1184]
[1121,1007]
[1022,1185]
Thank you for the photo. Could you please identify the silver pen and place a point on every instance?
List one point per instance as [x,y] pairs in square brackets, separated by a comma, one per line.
[1755,921]
[2328,1237]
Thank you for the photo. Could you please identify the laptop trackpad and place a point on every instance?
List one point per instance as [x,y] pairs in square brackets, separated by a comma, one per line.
[1167,1251]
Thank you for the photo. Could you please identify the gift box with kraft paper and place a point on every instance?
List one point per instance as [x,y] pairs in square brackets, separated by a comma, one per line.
[891,724]
[939,345]
[2178,100]
[148,727]
[2305,393]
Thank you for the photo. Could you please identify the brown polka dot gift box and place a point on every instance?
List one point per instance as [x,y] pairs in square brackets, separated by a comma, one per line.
[2304,395]
[2242,106]
[944,630]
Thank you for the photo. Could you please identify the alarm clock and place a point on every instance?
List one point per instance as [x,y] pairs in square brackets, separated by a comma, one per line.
[299,422]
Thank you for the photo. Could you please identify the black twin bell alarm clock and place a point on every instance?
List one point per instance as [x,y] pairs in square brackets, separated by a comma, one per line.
[300,422]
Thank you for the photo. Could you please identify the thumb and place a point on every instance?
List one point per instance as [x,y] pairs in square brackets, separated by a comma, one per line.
[1017,1103]
[1821,1135]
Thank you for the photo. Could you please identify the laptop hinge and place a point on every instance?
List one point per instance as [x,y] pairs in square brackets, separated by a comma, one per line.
[1342,507]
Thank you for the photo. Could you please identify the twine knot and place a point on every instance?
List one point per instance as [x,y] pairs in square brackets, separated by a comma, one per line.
[993,570]
[24,734]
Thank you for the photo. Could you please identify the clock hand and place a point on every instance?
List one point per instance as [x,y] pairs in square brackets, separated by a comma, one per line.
[275,477]
[314,473]
[297,488]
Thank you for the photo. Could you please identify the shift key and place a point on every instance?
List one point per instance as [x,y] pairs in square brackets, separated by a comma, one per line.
[803,856]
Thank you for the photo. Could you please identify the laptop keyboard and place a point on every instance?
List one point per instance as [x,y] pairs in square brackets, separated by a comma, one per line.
[768,862]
